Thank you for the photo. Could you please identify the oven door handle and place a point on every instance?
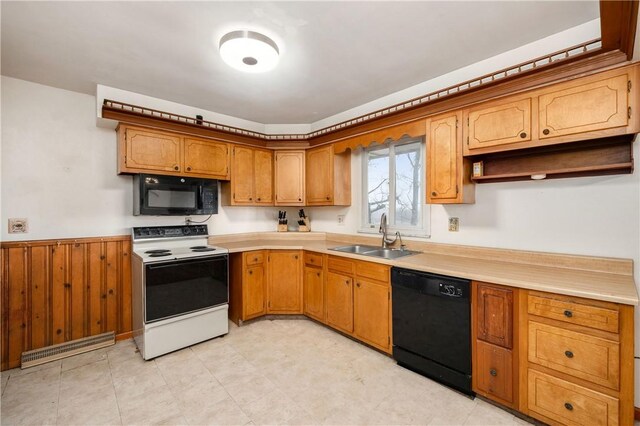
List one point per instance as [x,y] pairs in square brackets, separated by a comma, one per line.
[182,262]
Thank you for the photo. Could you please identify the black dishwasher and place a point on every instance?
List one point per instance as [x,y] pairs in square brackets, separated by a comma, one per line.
[431,326]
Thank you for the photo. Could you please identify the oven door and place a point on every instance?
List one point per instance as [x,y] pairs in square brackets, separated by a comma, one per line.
[181,286]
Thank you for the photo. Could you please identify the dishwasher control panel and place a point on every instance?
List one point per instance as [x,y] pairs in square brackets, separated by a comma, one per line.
[450,290]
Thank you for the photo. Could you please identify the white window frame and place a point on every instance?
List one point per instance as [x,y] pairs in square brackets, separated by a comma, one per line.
[423,230]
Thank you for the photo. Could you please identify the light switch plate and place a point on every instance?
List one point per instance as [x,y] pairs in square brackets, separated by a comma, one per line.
[454,224]
[18,225]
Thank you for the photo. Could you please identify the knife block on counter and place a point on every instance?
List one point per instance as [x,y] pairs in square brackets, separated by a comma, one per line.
[283,228]
[306,227]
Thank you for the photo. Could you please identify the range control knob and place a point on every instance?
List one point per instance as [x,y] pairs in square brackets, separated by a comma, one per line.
[186,231]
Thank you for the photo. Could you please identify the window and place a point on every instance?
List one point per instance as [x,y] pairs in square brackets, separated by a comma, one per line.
[393,183]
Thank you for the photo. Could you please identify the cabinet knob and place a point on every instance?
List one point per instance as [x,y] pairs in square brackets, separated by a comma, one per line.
[258,198]
[523,135]
[295,257]
[358,285]
[493,372]
[255,259]
[328,198]
[568,314]
[568,406]
[250,272]
[546,132]
[568,354]
[299,199]
[434,193]
[176,168]
[250,199]
[318,273]
[188,169]
[346,282]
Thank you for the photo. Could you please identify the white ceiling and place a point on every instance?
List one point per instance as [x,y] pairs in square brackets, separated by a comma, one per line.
[334,55]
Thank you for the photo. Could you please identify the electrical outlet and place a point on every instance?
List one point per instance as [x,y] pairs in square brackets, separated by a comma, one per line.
[341,219]
[18,226]
[454,224]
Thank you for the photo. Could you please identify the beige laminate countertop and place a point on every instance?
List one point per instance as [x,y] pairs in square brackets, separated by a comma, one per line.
[611,287]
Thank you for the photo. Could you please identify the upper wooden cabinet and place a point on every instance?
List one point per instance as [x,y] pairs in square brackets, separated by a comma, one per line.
[328,177]
[143,150]
[498,123]
[591,107]
[289,178]
[585,107]
[251,178]
[447,173]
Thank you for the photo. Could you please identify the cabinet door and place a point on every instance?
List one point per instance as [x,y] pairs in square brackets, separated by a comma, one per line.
[340,301]
[443,158]
[206,158]
[263,177]
[495,315]
[289,179]
[254,291]
[598,105]
[494,371]
[314,292]
[285,282]
[319,176]
[153,151]
[242,175]
[371,313]
[502,124]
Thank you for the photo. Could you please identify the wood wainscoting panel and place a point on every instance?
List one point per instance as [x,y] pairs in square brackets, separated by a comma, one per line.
[54,291]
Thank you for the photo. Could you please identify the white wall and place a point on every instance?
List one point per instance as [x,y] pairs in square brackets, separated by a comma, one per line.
[59,171]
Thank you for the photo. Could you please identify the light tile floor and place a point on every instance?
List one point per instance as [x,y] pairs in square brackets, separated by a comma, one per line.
[290,371]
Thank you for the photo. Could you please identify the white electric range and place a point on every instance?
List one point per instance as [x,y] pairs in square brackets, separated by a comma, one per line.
[180,288]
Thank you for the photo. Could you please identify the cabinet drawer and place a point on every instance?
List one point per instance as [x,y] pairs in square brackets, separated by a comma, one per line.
[574,313]
[341,265]
[375,271]
[494,371]
[580,355]
[568,403]
[312,259]
[253,258]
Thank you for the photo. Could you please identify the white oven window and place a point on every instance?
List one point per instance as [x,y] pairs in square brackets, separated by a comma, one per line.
[171,199]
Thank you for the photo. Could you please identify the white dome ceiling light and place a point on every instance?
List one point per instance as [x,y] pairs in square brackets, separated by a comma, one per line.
[249,51]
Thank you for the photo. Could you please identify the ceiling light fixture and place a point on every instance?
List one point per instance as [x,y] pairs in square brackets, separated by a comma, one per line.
[249,51]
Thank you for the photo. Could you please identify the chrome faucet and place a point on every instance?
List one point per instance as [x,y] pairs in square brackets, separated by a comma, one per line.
[383,230]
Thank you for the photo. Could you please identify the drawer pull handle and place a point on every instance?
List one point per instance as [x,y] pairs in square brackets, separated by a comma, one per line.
[569,354]
[568,314]
[493,372]
[568,406]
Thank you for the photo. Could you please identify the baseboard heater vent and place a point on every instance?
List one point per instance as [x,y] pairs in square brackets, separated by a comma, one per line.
[63,350]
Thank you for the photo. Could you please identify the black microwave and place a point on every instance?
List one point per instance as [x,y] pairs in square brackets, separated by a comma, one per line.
[174,195]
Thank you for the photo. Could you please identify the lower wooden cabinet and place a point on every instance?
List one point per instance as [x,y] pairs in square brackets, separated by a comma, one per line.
[555,400]
[340,301]
[576,359]
[247,285]
[254,291]
[372,312]
[313,292]
[493,369]
[284,288]
[495,363]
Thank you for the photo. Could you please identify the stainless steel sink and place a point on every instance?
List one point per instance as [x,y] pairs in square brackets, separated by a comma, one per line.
[373,251]
[355,249]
